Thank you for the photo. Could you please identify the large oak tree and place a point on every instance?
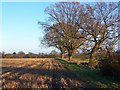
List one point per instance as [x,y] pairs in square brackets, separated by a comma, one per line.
[100,23]
[64,17]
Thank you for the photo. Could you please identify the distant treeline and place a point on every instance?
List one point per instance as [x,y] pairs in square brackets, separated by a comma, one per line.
[21,54]
[52,54]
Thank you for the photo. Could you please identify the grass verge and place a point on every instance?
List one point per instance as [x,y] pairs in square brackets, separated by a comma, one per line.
[91,75]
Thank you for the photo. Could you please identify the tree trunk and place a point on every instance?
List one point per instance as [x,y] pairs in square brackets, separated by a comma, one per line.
[69,58]
[70,55]
[62,56]
[62,52]
[92,59]
[109,53]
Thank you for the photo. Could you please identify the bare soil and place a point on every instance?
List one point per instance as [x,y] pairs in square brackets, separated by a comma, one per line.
[39,73]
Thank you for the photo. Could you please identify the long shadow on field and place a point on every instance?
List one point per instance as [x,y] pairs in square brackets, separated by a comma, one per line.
[55,74]
[43,72]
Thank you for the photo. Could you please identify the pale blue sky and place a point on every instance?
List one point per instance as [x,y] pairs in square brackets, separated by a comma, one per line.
[20,31]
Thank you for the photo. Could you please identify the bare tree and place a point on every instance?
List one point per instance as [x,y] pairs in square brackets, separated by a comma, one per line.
[52,38]
[99,21]
[63,29]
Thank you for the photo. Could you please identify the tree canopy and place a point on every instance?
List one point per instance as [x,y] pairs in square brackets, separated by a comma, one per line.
[71,25]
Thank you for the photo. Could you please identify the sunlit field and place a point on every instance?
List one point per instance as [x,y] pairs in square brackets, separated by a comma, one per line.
[60,45]
[38,73]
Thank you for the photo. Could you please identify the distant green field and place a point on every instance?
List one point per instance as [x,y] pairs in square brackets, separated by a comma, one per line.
[91,75]
[79,59]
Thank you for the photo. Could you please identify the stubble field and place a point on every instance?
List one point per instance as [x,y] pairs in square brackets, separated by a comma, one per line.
[38,73]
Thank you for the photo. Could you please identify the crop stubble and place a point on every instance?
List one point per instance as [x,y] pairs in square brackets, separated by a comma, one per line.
[37,73]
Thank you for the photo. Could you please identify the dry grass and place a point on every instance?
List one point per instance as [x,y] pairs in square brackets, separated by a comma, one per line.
[37,73]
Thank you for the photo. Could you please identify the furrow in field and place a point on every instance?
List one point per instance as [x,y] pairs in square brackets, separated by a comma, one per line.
[10,68]
[16,69]
[22,75]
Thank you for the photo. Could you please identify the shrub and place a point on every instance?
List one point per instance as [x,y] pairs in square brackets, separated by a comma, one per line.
[8,55]
[111,68]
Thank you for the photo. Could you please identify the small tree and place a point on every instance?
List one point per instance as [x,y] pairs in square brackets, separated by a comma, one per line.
[21,54]
[53,53]
[14,55]
[3,54]
[0,55]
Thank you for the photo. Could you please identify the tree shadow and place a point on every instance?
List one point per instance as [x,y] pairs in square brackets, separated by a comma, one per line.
[56,75]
